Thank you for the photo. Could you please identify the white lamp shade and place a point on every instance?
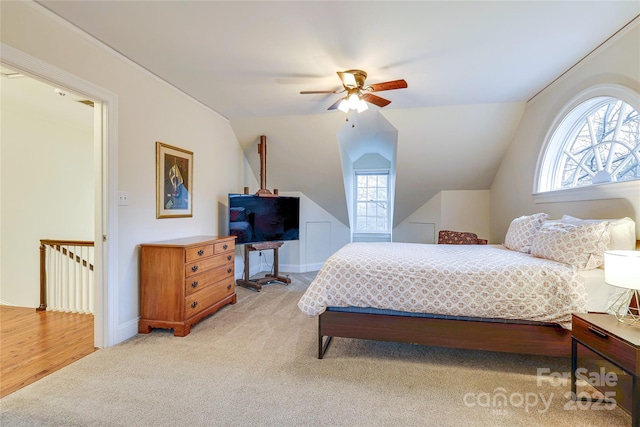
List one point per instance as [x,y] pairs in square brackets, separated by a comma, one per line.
[353,101]
[344,106]
[622,269]
[362,106]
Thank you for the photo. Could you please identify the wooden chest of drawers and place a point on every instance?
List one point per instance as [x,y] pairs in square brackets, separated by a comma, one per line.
[184,280]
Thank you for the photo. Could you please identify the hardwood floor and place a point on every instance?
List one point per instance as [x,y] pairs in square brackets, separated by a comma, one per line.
[34,344]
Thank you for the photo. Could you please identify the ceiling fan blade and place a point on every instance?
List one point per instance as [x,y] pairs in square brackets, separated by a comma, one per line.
[394,84]
[376,100]
[335,104]
[311,92]
[348,79]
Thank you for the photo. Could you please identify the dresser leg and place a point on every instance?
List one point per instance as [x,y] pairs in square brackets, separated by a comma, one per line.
[143,327]
[181,331]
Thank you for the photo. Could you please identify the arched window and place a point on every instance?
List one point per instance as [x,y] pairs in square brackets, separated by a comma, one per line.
[596,142]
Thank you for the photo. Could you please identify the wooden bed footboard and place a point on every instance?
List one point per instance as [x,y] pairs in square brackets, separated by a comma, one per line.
[548,340]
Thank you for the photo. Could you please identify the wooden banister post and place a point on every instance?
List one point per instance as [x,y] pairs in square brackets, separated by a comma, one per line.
[43,279]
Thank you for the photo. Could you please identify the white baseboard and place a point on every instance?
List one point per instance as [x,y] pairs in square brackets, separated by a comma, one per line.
[128,330]
[295,268]
[313,267]
[290,268]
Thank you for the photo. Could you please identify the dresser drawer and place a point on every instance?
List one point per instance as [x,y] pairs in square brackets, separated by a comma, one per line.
[205,298]
[614,348]
[224,247]
[205,264]
[196,253]
[199,281]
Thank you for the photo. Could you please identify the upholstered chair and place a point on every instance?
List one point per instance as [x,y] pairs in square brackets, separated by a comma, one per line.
[448,237]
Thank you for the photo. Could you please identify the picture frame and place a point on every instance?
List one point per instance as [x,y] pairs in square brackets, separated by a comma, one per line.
[174,182]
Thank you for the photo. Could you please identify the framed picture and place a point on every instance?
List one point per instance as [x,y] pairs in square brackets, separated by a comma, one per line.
[174,182]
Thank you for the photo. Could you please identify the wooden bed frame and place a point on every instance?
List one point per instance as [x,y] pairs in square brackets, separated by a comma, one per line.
[548,340]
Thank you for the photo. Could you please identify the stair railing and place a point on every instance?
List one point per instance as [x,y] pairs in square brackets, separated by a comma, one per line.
[66,276]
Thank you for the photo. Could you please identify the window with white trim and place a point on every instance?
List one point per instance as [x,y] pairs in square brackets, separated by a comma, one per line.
[597,142]
[372,202]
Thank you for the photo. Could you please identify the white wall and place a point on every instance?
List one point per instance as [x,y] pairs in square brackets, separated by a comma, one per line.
[421,226]
[47,190]
[148,111]
[618,61]
[321,234]
[466,210]
[460,210]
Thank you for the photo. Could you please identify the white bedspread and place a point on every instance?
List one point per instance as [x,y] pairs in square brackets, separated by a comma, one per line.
[487,281]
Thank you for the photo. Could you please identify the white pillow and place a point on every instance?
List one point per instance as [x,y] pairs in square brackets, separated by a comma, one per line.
[522,230]
[622,230]
[581,246]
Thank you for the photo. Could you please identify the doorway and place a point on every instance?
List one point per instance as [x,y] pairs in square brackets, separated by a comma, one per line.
[104,181]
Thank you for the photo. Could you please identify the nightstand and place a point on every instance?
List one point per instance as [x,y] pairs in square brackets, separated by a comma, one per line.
[616,343]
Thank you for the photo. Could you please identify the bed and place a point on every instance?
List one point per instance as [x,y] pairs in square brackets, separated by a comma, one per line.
[486,297]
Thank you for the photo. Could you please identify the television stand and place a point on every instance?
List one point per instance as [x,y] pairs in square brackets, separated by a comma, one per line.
[268,278]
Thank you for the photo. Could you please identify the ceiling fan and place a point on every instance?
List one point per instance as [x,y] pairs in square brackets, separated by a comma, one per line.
[358,94]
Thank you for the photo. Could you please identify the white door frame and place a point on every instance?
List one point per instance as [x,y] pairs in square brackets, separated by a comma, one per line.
[106,183]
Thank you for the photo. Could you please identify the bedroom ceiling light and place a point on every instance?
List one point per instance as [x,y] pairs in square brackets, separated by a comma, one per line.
[359,93]
[344,106]
[353,101]
[362,106]
[622,269]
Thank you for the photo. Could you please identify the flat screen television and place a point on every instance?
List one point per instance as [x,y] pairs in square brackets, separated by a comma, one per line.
[255,219]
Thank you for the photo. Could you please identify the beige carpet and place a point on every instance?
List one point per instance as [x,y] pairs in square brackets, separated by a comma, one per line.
[254,364]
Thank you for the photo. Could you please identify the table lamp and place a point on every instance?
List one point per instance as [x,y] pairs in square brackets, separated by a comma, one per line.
[622,269]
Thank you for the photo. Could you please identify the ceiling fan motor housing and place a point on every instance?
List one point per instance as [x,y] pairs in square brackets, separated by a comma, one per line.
[359,76]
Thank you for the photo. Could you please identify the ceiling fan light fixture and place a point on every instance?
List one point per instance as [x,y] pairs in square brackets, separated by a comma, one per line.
[358,93]
[362,105]
[344,105]
[354,99]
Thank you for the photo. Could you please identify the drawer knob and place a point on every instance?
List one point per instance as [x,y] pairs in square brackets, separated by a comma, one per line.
[229,257]
[229,270]
[598,332]
[200,252]
[194,284]
[225,246]
[194,268]
[229,286]
[194,304]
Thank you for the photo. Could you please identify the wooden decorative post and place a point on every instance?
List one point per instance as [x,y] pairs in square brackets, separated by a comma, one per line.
[262,150]
[263,192]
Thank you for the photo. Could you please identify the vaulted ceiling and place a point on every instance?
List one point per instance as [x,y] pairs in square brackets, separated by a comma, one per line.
[471,66]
